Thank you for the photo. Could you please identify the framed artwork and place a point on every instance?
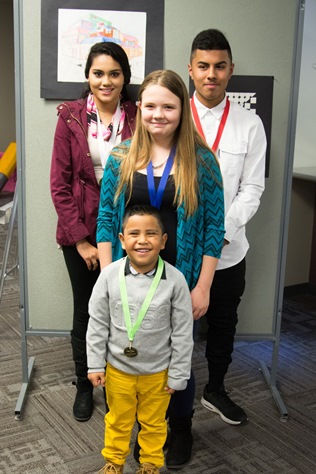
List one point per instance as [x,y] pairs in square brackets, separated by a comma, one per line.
[70,27]
[255,93]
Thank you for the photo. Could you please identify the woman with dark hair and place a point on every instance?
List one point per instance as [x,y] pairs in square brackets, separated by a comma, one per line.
[86,131]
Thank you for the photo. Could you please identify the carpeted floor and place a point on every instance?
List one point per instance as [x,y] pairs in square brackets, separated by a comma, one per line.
[48,440]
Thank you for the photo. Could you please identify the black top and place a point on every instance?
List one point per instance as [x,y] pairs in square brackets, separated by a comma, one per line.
[168,211]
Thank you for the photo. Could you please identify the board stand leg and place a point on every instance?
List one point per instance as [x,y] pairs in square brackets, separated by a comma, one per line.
[23,391]
[270,378]
[27,366]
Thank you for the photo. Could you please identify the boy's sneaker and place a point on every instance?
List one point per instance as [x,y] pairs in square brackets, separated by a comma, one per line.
[219,402]
[148,468]
[111,468]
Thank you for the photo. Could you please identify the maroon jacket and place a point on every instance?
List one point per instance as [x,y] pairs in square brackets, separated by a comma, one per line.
[74,188]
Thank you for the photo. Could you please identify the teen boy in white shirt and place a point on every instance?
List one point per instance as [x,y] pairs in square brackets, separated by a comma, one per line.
[237,137]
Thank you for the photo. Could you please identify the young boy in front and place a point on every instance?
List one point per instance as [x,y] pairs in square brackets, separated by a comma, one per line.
[140,327]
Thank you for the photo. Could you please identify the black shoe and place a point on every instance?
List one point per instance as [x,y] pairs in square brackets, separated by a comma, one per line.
[83,406]
[180,442]
[219,402]
[179,450]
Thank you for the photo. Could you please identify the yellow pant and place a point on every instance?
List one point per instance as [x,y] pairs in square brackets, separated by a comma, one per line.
[130,396]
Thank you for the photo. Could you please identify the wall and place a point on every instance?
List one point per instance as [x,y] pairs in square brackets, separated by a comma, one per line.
[262,36]
[7,116]
[300,232]
[312,269]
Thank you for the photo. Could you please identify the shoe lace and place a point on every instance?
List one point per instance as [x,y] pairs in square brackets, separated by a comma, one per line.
[223,396]
[110,468]
[147,470]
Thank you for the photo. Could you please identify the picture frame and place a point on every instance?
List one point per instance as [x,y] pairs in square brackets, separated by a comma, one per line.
[51,88]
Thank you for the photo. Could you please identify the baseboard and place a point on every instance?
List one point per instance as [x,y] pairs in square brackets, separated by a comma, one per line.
[294,290]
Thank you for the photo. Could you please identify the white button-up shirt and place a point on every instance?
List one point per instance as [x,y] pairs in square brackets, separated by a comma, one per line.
[241,155]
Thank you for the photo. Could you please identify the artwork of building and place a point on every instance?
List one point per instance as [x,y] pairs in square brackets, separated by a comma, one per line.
[77,40]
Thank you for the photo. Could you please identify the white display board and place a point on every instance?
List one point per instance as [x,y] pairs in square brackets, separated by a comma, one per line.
[258,42]
[305,141]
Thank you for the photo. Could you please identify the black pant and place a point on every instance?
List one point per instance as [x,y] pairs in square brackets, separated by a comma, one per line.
[182,401]
[82,282]
[226,291]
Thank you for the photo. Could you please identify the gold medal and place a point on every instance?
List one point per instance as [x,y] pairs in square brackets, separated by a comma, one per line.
[130,351]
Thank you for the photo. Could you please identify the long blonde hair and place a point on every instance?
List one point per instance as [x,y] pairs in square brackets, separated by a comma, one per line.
[186,138]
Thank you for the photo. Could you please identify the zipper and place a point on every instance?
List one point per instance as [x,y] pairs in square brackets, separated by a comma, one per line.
[82,185]
[78,121]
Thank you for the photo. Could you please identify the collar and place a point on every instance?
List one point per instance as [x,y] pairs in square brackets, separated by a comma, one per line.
[76,109]
[129,270]
[217,111]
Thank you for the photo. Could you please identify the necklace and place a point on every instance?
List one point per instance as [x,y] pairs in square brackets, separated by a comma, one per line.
[155,167]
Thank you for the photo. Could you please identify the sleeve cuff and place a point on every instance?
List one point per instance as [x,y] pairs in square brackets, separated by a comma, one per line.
[177,384]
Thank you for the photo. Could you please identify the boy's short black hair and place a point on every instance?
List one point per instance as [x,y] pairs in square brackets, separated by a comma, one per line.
[143,210]
[211,39]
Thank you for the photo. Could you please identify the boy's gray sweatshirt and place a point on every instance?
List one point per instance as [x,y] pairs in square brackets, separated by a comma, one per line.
[165,337]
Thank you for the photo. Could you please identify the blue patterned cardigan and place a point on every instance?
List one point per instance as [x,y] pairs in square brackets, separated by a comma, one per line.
[198,235]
